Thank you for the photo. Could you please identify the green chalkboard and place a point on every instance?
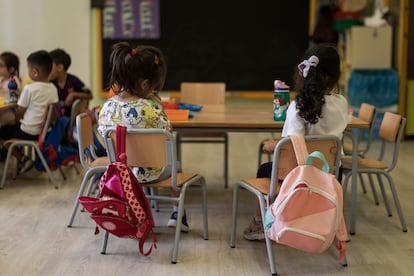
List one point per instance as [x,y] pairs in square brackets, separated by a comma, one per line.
[246,44]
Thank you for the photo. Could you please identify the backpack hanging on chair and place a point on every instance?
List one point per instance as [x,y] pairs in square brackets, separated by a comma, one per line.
[307,214]
[122,208]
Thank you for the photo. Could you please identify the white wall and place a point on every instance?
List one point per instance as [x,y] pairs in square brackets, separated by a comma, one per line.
[30,25]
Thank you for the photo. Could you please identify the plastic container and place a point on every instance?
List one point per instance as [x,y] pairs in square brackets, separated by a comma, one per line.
[12,95]
[175,115]
[281,100]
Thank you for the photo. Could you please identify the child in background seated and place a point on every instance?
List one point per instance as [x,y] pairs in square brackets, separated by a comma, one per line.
[31,106]
[137,75]
[69,86]
[318,109]
[9,67]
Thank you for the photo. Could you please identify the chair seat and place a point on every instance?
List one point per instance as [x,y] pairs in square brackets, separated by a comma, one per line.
[14,140]
[166,183]
[260,184]
[364,163]
[348,148]
[101,161]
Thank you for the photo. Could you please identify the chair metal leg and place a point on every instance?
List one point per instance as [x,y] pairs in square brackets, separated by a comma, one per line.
[352,201]
[226,162]
[204,209]
[259,159]
[104,242]
[88,178]
[384,196]
[234,215]
[364,189]
[397,202]
[374,191]
[178,227]
[62,173]
[262,204]
[154,203]
[6,165]
[46,167]
[178,144]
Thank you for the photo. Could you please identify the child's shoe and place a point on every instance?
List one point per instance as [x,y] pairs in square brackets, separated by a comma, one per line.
[172,222]
[254,231]
[26,164]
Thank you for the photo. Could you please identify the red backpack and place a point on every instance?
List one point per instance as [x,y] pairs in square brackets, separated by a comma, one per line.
[307,214]
[122,208]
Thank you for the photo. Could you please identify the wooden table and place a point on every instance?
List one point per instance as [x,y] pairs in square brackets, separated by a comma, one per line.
[6,106]
[240,118]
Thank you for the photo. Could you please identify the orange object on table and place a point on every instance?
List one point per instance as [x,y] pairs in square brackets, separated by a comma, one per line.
[175,115]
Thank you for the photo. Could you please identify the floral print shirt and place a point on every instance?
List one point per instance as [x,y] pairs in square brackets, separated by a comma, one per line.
[140,113]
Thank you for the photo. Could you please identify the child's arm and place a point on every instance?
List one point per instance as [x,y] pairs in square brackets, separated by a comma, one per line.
[79,91]
[20,113]
[72,95]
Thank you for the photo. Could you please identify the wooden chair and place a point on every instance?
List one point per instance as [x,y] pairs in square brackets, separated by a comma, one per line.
[49,117]
[204,93]
[93,164]
[284,161]
[391,132]
[156,148]
[368,113]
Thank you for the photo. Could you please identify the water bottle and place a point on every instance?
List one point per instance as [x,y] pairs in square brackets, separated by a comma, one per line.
[12,95]
[281,100]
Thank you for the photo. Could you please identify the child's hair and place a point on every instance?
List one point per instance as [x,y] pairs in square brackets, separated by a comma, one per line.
[42,61]
[317,74]
[11,61]
[130,66]
[59,56]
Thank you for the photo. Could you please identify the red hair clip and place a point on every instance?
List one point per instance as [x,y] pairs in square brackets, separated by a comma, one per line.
[133,52]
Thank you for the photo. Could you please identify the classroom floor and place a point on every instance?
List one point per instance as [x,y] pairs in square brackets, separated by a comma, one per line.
[34,239]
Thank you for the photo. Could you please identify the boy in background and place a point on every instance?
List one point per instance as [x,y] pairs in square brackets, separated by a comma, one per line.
[69,86]
[31,106]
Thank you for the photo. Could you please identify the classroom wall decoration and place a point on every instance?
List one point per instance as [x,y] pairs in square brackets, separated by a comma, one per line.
[130,19]
[247,44]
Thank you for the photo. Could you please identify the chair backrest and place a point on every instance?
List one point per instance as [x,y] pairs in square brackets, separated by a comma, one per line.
[284,159]
[391,132]
[203,92]
[78,106]
[368,113]
[85,139]
[146,147]
[50,117]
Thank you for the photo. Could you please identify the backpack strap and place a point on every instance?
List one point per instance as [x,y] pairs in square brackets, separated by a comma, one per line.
[142,235]
[319,155]
[121,144]
[299,146]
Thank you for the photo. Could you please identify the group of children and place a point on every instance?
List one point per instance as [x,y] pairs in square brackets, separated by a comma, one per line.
[50,82]
[138,75]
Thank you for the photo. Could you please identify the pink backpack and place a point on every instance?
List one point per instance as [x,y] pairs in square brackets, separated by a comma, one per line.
[122,208]
[307,214]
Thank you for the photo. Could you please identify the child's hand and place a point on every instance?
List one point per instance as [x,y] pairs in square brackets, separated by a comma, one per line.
[269,145]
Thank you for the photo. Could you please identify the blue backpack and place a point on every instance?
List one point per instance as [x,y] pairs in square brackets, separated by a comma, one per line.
[56,148]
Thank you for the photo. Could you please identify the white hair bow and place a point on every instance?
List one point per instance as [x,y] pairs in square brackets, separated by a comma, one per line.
[306,64]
